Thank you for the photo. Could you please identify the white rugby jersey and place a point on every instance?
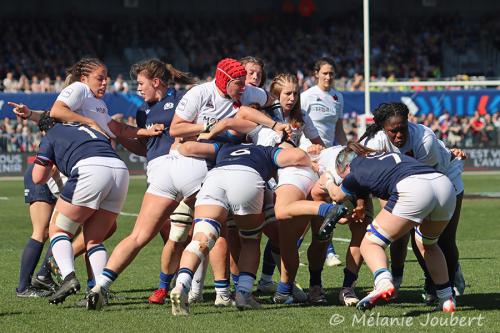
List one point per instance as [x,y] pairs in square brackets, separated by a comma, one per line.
[203,103]
[421,144]
[324,108]
[80,99]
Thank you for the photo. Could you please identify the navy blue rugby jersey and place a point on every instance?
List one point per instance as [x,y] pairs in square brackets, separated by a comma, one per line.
[160,112]
[66,144]
[378,173]
[260,158]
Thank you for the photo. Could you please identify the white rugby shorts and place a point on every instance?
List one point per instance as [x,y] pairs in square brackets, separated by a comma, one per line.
[301,177]
[98,183]
[423,197]
[235,187]
[175,176]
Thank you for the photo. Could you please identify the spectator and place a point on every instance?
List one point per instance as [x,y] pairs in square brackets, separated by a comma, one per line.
[10,84]
[477,125]
[58,84]
[120,84]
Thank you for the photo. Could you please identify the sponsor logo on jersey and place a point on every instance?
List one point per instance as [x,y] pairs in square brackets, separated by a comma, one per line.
[168,106]
[210,104]
[101,109]
[335,98]
[147,111]
[319,107]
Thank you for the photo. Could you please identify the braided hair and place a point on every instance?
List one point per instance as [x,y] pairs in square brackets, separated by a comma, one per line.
[381,114]
[84,66]
[277,86]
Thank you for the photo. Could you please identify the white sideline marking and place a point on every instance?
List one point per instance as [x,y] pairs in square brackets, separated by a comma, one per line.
[128,214]
[4,198]
[343,240]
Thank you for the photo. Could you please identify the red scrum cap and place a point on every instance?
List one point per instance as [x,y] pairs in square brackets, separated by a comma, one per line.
[227,70]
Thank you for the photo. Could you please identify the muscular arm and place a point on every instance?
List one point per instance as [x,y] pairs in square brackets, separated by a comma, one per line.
[256,116]
[125,131]
[135,146]
[239,125]
[183,128]
[293,157]
[197,149]
[63,113]
[41,174]
[336,193]
[24,112]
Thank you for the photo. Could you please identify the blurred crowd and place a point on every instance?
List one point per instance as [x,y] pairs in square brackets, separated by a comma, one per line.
[34,54]
[19,135]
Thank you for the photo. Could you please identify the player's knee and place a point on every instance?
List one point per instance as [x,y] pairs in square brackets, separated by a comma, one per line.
[377,235]
[281,213]
[205,234]
[180,223]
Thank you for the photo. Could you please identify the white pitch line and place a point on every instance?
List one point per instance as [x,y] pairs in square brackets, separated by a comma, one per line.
[128,214]
[4,198]
[343,240]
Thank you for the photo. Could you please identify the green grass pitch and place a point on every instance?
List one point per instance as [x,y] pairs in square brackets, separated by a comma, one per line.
[479,308]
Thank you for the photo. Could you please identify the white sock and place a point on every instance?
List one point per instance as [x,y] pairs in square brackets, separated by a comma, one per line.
[184,279]
[199,278]
[63,253]
[382,278]
[98,257]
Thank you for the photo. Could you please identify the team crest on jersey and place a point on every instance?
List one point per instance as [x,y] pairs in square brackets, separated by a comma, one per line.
[147,111]
[168,106]
[335,98]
